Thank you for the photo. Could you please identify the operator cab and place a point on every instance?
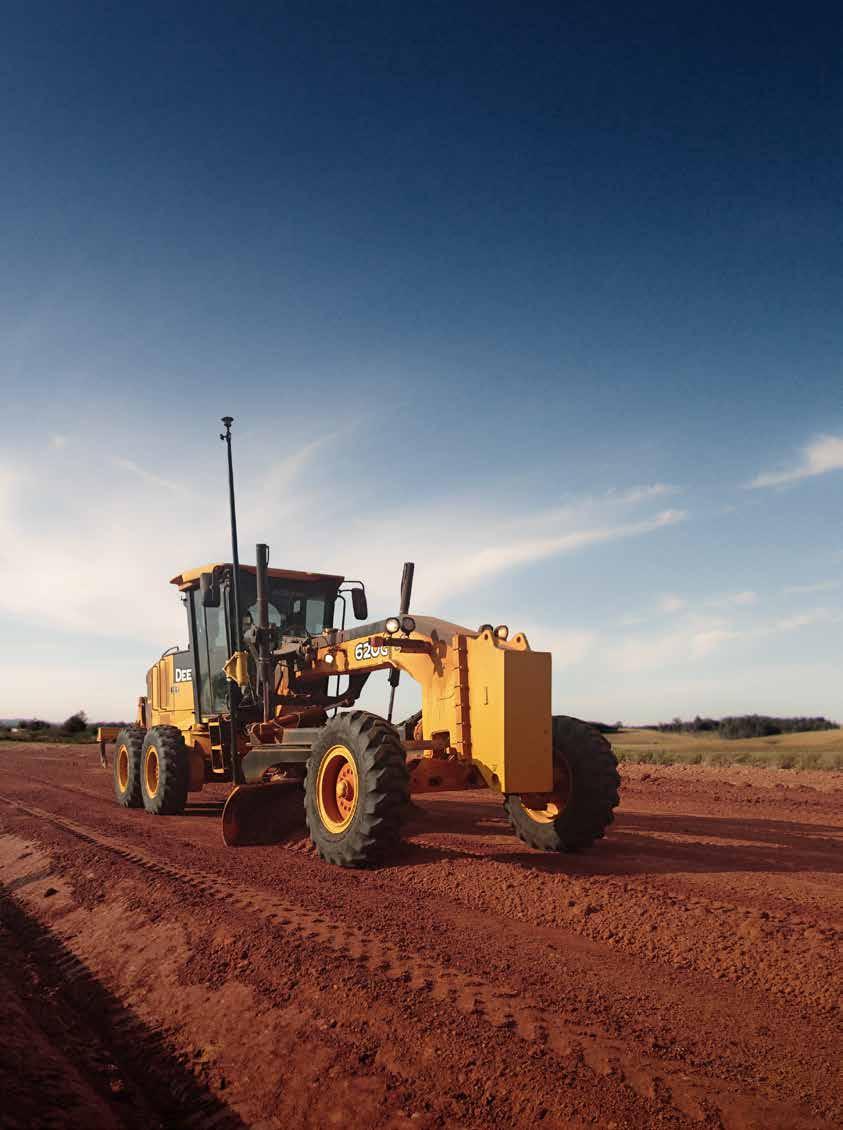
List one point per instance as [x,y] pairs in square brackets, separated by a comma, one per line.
[299,604]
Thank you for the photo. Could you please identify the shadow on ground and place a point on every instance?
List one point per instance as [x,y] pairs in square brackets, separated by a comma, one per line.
[636,843]
[129,1066]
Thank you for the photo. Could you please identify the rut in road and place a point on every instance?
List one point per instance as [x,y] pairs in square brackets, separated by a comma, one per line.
[94,1031]
[501,1006]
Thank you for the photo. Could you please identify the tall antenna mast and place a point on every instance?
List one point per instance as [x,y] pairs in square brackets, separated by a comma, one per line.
[237,635]
[237,627]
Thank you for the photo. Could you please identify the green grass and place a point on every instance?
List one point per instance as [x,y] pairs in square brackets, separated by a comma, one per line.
[817,749]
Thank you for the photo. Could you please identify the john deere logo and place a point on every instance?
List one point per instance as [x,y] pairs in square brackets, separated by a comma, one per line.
[184,674]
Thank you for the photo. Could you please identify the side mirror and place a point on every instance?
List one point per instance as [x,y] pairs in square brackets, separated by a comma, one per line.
[209,593]
[359,603]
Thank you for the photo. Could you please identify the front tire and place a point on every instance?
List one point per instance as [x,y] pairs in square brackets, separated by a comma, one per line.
[127,767]
[356,789]
[586,784]
[164,772]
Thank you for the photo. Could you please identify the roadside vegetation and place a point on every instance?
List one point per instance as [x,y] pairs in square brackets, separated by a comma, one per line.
[746,726]
[703,741]
[815,749]
[74,729]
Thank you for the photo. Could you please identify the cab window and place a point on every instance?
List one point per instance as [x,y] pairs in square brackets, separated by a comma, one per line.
[212,651]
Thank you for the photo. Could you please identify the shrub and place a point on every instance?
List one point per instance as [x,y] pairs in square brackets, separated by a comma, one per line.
[34,725]
[76,724]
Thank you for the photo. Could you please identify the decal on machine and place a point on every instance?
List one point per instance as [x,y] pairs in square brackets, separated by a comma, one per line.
[365,650]
[184,674]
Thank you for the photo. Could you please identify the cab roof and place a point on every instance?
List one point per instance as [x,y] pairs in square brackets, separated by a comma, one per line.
[189,579]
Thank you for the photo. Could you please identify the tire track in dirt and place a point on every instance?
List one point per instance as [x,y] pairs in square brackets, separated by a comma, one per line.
[518,918]
[386,1040]
[604,911]
[725,932]
[500,1006]
[77,1020]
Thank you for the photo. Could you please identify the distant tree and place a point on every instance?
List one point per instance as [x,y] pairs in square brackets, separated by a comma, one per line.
[746,726]
[76,724]
[35,725]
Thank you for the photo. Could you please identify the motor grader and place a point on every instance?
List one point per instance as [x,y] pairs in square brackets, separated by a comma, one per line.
[264,697]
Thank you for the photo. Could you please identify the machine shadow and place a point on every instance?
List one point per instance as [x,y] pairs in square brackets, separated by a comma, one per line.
[93,1028]
[638,843]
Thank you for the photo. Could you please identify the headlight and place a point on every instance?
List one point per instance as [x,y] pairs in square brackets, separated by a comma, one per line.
[393,625]
[329,658]
[408,624]
[502,631]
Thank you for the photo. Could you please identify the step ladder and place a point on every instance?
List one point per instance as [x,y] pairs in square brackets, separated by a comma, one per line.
[218,733]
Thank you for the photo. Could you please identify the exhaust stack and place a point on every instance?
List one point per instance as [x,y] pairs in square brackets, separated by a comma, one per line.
[406,594]
[264,655]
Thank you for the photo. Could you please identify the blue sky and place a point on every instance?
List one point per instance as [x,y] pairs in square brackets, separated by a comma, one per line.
[547,299]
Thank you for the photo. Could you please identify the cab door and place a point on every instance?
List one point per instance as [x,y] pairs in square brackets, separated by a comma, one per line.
[211,650]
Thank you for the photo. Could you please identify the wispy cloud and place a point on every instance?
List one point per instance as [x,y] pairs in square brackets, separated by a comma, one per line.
[697,637]
[704,643]
[496,558]
[736,599]
[137,536]
[819,586]
[616,497]
[9,478]
[821,455]
[568,646]
[805,619]
[671,603]
[148,476]
[694,638]
[278,492]
[633,495]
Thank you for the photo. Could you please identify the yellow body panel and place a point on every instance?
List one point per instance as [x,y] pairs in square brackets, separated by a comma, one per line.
[170,702]
[485,699]
[490,696]
[510,716]
[236,668]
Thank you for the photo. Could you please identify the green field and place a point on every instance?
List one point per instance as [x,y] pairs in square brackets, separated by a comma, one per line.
[816,749]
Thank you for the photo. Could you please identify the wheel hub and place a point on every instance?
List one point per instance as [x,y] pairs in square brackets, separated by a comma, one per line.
[557,801]
[123,768]
[151,771]
[337,789]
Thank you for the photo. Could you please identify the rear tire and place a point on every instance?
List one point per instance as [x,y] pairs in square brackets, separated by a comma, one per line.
[355,790]
[127,767]
[164,771]
[585,773]
[407,728]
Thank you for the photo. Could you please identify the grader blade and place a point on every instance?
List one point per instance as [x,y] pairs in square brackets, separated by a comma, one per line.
[262,813]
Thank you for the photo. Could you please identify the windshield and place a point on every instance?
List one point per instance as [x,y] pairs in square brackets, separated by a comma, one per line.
[292,608]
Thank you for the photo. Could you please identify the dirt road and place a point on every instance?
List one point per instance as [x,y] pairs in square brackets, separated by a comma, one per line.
[686,972]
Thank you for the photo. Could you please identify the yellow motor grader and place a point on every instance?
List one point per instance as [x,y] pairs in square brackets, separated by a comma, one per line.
[264,697]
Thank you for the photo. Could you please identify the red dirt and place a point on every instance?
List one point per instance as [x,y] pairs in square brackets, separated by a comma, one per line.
[685,972]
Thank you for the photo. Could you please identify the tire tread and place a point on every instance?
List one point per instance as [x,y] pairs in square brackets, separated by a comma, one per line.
[174,770]
[594,796]
[384,787]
